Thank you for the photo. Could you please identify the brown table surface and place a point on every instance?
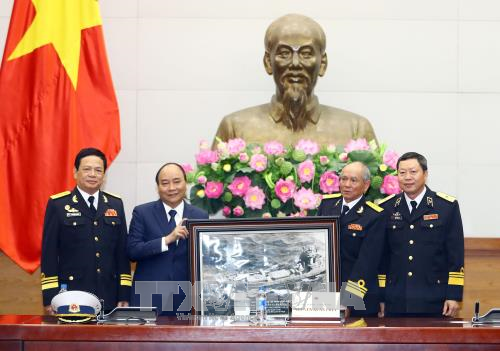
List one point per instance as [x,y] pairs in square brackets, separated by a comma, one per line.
[168,329]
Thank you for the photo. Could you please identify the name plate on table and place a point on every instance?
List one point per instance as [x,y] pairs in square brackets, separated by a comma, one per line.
[316,304]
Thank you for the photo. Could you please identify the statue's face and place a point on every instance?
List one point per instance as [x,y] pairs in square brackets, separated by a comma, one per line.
[295,60]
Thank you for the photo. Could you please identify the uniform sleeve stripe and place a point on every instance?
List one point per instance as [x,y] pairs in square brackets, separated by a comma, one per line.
[126,276]
[455,281]
[50,286]
[49,280]
[126,282]
[354,285]
[354,291]
[381,283]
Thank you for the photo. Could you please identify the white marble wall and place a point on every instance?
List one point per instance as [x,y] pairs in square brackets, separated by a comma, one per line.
[426,73]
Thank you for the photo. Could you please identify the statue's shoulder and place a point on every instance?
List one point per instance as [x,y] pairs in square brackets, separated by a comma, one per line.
[339,114]
[244,115]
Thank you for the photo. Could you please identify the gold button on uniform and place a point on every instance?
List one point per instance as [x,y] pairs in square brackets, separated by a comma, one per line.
[354,234]
[432,226]
[393,227]
[98,270]
[412,226]
[410,258]
[74,223]
[410,274]
[96,223]
[71,277]
[97,254]
[96,238]
[411,242]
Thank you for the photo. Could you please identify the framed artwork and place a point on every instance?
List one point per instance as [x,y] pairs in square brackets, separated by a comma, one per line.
[231,259]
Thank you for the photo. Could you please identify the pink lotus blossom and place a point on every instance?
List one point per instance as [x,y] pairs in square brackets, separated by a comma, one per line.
[187,167]
[329,182]
[254,198]
[266,215]
[306,171]
[235,146]
[239,186]
[258,162]
[390,158]
[238,211]
[323,160]
[274,148]
[284,189]
[205,157]
[243,157]
[213,190]
[390,185]
[343,157]
[331,148]
[308,146]
[202,179]
[358,144]
[226,211]
[305,199]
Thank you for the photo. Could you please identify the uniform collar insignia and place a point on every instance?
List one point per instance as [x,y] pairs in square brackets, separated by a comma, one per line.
[105,198]
[396,204]
[430,203]
[360,210]
[75,199]
[337,203]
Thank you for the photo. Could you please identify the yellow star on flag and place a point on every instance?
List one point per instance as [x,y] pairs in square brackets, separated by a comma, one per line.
[60,22]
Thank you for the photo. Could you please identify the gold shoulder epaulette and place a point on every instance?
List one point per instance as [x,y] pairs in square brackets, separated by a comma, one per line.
[331,196]
[446,197]
[387,198]
[57,196]
[374,207]
[114,195]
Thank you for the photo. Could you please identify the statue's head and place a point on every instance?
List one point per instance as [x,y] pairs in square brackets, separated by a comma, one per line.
[295,55]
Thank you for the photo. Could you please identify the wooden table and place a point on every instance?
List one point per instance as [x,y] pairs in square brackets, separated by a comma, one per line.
[44,333]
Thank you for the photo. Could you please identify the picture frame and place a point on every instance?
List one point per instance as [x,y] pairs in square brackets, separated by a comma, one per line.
[230,259]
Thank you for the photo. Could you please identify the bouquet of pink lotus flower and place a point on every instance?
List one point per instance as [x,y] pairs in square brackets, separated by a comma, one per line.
[274,180]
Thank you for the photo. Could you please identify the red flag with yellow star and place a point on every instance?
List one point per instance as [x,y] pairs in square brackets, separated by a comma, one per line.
[56,97]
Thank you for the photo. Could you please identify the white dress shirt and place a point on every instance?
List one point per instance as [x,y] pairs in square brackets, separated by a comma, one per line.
[87,195]
[418,199]
[350,204]
[178,218]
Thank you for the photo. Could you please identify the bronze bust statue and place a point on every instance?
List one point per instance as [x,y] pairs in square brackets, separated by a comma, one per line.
[295,56]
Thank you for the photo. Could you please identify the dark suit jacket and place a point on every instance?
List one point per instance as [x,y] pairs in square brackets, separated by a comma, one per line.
[362,232]
[84,252]
[148,227]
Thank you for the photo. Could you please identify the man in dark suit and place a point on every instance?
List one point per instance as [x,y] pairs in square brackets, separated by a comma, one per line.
[157,240]
[84,238]
[425,261]
[361,227]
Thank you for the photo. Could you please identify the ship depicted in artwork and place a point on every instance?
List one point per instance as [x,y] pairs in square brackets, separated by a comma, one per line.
[309,266]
